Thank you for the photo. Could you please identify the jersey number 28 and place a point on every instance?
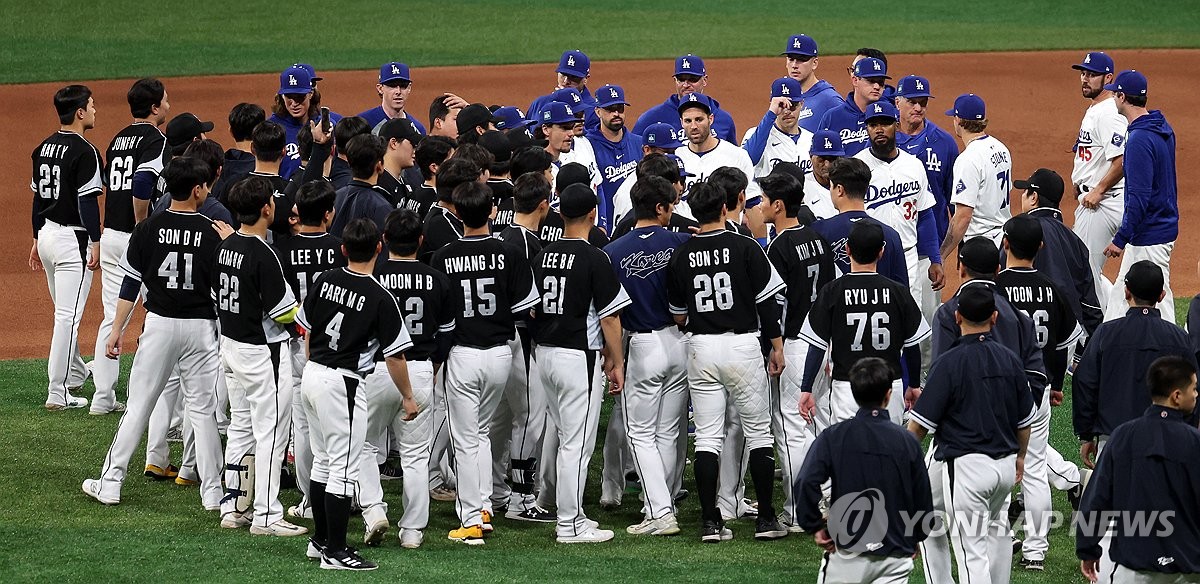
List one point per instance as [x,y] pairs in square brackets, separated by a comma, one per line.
[713,292]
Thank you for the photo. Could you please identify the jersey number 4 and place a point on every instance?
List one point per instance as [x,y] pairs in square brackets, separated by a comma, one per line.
[881,337]
[713,292]
[170,270]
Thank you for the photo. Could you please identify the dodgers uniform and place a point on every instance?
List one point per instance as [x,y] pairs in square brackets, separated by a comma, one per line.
[982,181]
[817,199]
[937,150]
[850,123]
[582,153]
[819,99]
[767,146]
[1101,141]
[291,151]
[702,164]
[615,161]
[668,113]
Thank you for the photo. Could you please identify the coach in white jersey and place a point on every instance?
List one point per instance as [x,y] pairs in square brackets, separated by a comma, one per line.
[982,178]
[899,196]
[704,153]
[779,137]
[1097,171]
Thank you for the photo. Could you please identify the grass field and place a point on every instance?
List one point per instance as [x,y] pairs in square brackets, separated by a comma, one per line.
[160,532]
[63,39]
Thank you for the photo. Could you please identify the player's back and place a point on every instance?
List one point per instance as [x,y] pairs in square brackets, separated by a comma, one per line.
[718,278]
[990,177]
[864,314]
[1036,295]
[423,295]
[805,262]
[522,239]
[578,288]
[836,230]
[139,147]
[350,317]
[306,256]
[491,282]
[640,260]
[65,166]
[441,227]
[172,253]
[251,291]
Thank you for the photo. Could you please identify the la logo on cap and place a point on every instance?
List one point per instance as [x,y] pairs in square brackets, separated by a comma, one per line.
[395,70]
[878,109]
[612,92]
[575,97]
[783,90]
[920,85]
[291,80]
[571,60]
[876,65]
[796,43]
[546,115]
[828,144]
[650,138]
[686,65]
[1087,58]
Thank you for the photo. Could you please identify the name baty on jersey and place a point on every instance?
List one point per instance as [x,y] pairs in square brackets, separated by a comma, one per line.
[137,148]
[173,255]
[64,163]
[251,291]
[492,283]
[423,295]
[355,318]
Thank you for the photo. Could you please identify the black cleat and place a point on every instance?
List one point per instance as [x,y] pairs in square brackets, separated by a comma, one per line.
[347,559]
[768,528]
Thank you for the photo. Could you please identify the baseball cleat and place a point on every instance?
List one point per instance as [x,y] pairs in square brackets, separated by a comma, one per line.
[681,495]
[1033,565]
[533,513]
[1016,509]
[665,525]
[375,533]
[768,528]
[300,512]
[234,520]
[786,522]
[117,408]
[158,473]
[71,404]
[186,482]
[443,493]
[92,488]
[592,535]
[1075,494]
[487,521]
[411,539]
[470,535]
[749,508]
[1016,544]
[347,559]
[281,528]
[314,550]
[391,471]
[715,532]
[175,434]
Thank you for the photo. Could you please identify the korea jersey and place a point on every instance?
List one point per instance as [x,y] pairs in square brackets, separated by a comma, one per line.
[1036,295]
[491,283]
[280,227]
[251,291]
[349,318]
[899,190]
[836,230]
[306,256]
[441,227]
[578,289]
[717,279]
[703,164]
[140,147]
[805,263]
[423,295]
[172,254]
[767,146]
[864,314]
[982,181]
[66,168]
[817,198]
[1101,139]
[640,260]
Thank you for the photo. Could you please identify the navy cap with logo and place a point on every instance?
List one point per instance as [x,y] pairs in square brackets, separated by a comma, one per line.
[610,95]
[399,129]
[870,68]
[661,135]
[980,255]
[296,79]
[689,65]
[1045,182]
[1129,82]
[881,109]
[571,97]
[574,63]
[968,106]
[827,143]
[912,87]
[786,87]
[1145,281]
[556,112]
[679,162]
[976,303]
[696,100]
[312,72]
[394,71]
[509,117]
[1096,62]
[800,45]
[576,200]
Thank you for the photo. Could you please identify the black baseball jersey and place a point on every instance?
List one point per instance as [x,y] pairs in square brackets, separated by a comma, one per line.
[441,228]
[578,288]
[173,255]
[552,230]
[864,314]
[718,279]
[678,223]
[140,147]
[491,282]
[502,190]
[505,213]
[349,318]
[522,239]
[251,291]
[1034,294]
[305,256]
[396,189]
[66,167]
[420,199]
[424,296]
[280,227]
[805,262]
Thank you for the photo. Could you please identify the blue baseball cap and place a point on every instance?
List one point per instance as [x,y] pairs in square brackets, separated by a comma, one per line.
[870,68]
[1096,62]
[574,63]
[801,45]
[689,64]
[509,117]
[786,87]
[393,71]
[826,143]
[311,71]
[881,109]
[296,79]
[912,86]
[661,135]
[610,95]
[571,97]
[699,100]
[968,106]
[557,112]
[1129,82]
[683,173]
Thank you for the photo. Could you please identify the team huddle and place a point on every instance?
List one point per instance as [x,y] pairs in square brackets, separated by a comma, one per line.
[370,298]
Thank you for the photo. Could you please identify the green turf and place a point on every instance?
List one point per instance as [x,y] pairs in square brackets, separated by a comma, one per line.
[50,531]
[66,40]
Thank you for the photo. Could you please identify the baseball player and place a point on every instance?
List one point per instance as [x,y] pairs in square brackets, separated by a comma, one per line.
[473,120]
[691,77]
[1151,220]
[849,180]
[849,454]
[817,96]
[978,401]
[805,264]
[1149,468]
[578,336]
[889,92]
[862,314]
[706,153]
[349,316]
[658,139]
[722,287]
[1097,167]
[363,198]
[574,70]
[899,196]
[239,160]
[496,286]
[254,302]
[269,143]
[1057,330]
[395,85]
[66,234]
[982,177]
[778,137]
[826,147]
[933,146]
[296,104]
[442,226]
[581,151]
[617,150]
[399,160]
[868,76]
[655,392]
[172,255]
[428,155]
[135,158]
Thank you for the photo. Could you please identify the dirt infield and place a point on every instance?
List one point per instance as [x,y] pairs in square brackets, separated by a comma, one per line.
[1033,101]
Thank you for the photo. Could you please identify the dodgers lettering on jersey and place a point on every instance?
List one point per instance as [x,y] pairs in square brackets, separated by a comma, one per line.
[173,254]
[717,279]
[899,190]
[982,181]
[578,289]
[1101,139]
[704,164]
[492,283]
[423,295]
[140,147]
[805,263]
[850,123]
[251,291]
[640,259]
[349,317]
[66,167]
[778,146]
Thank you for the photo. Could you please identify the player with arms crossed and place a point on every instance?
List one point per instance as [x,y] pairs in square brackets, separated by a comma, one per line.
[349,317]
[172,255]
[982,178]
[722,287]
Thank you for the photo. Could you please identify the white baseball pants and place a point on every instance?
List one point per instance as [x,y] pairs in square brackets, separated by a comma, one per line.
[336,407]
[384,411]
[840,567]
[574,390]
[793,436]
[1035,486]
[63,251]
[728,368]
[976,488]
[1161,256]
[475,380]
[654,400]
[843,407]
[105,372]
[1096,227]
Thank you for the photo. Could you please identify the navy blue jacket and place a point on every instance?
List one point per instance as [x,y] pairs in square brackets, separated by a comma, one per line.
[1151,203]
[590,120]
[836,230]
[359,200]
[667,112]
[1193,325]
[937,150]
[376,116]
[863,454]
[1151,465]
[1109,387]
[850,124]
[1064,259]
[819,99]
